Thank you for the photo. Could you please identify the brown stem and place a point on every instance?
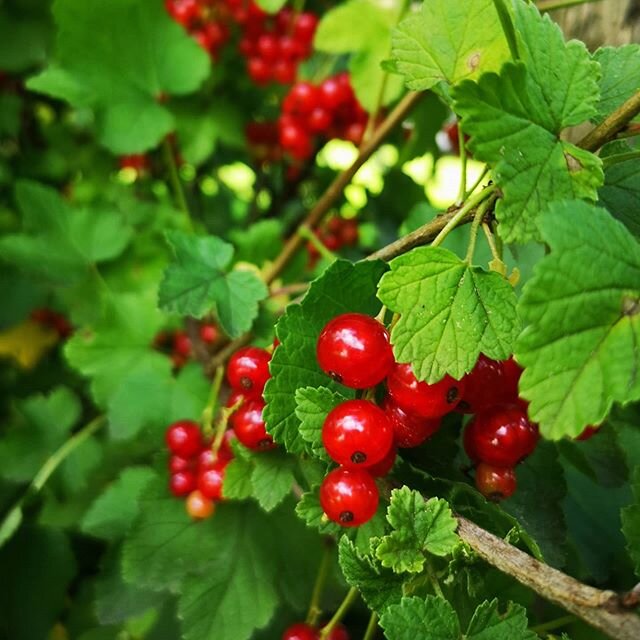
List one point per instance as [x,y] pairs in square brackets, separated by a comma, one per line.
[603,610]
[609,128]
[335,189]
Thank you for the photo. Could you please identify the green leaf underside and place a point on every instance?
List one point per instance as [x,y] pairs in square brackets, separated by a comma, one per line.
[581,312]
[420,527]
[620,193]
[198,281]
[344,287]
[440,45]
[620,76]
[139,55]
[450,313]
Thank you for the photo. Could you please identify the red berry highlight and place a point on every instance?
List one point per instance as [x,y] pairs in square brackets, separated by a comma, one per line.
[184,438]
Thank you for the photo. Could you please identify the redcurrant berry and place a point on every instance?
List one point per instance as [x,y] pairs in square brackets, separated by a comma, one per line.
[209,333]
[512,373]
[259,70]
[226,452]
[354,349]
[182,483]
[339,632]
[349,496]
[409,430]
[485,386]
[300,631]
[357,433]
[199,506]
[382,468]
[177,464]
[495,483]
[501,437]
[248,371]
[184,438]
[210,481]
[249,427]
[422,399]
[182,344]
[588,432]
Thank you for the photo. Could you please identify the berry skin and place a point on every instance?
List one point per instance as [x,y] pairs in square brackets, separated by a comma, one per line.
[588,432]
[495,483]
[199,506]
[408,430]
[249,426]
[486,386]
[182,483]
[382,468]
[422,399]
[178,464]
[338,632]
[248,371]
[354,349]
[259,70]
[184,438]
[512,373]
[357,433]
[182,344]
[300,631]
[210,481]
[501,437]
[349,496]
[209,333]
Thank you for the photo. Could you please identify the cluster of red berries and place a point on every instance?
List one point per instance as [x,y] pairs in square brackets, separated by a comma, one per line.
[205,20]
[304,631]
[329,110]
[274,45]
[53,320]
[195,472]
[177,344]
[338,232]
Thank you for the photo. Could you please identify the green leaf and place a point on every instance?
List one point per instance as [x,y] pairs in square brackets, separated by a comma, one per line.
[430,619]
[581,312]
[10,112]
[140,55]
[620,193]
[238,576]
[450,313]
[631,523]
[379,587]
[259,243]
[57,243]
[198,281]
[343,287]
[272,478]
[368,76]
[439,45]
[112,513]
[312,407]
[310,511]
[237,479]
[420,527]
[164,544]
[620,76]
[504,114]
[25,36]
[271,6]
[488,624]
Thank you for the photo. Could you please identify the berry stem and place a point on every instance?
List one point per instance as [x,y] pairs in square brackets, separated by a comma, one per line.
[497,264]
[313,615]
[221,426]
[463,166]
[210,409]
[176,184]
[553,624]
[476,184]
[475,225]
[349,599]
[305,232]
[433,579]
[372,627]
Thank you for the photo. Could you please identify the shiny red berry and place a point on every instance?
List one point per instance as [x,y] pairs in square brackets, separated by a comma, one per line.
[512,373]
[182,483]
[177,464]
[495,483]
[209,333]
[501,437]
[422,399]
[349,496]
[409,430]
[268,47]
[248,425]
[305,27]
[182,344]
[357,433]
[300,631]
[248,371]
[301,99]
[382,468]
[354,349]
[184,438]
[199,506]
[485,386]
[259,70]
[210,481]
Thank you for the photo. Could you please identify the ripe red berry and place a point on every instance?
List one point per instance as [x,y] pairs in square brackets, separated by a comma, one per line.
[210,481]
[268,47]
[512,373]
[249,427]
[300,631]
[284,71]
[259,70]
[485,386]
[226,452]
[588,432]
[182,344]
[319,120]
[199,506]
[184,12]
[354,349]
[339,632]
[501,437]
[184,438]
[495,483]
[349,496]
[420,398]
[301,99]
[182,483]
[209,333]
[206,459]
[234,397]
[357,433]
[382,468]
[177,464]
[305,27]
[248,371]
[409,430]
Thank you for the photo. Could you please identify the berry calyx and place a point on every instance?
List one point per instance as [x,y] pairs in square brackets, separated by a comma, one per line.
[422,399]
[199,506]
[182,483]
[184,438]
[300,631]
[501,437]
[349,496]
[354,349]
[409,430]
[357,433]
[249,428]
[248,371]
[495,483]
[210,481]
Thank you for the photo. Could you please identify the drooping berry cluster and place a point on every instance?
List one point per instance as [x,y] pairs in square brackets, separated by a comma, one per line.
[195,472]
[206,22]
[304,631]
[338,232]
[274,45]
[177,344]
[329,110]
[53,320]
